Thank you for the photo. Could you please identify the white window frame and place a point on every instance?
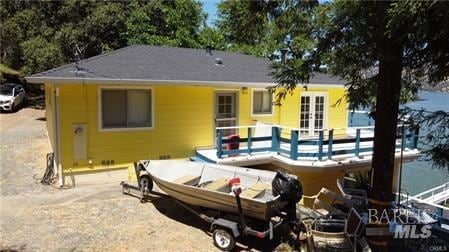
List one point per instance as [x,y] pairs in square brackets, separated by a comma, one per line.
[100,108]
[252,103]
[312,95]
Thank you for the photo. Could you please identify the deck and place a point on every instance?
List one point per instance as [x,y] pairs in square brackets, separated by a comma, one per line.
[284,146]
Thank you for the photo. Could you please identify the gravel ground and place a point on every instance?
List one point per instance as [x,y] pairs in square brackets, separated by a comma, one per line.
[89,217]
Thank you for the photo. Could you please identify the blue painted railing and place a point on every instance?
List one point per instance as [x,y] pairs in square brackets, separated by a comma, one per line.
[325,143]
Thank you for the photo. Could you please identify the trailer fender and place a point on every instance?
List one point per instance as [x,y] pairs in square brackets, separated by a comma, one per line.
[230,225]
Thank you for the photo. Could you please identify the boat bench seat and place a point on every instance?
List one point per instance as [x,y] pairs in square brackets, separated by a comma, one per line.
[255,190]
[188,179]
[220,185]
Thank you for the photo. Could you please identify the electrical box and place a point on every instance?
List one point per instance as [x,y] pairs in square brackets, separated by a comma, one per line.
[79,132]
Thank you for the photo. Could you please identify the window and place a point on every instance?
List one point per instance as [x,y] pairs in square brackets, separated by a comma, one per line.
[262,102]
[126,108]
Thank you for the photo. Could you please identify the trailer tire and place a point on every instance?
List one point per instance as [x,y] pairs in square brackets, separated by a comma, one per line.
[223,239]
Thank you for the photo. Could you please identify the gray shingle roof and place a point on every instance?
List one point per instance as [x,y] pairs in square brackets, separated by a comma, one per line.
[142,62]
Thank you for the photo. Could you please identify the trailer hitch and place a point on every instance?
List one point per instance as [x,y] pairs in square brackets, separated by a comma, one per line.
[144,183]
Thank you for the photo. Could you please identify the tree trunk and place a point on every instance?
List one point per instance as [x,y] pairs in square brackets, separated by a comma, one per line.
[387,107]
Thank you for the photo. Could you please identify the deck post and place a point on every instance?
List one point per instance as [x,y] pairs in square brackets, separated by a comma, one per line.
[351,117]
[415,137]
[219,143]
[275,138]
[330,143]
[357,143]
[249,141]
[294,145]
[403,137]
[320,146]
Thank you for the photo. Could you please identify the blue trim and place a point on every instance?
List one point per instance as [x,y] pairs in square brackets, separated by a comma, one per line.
[275,138]
[403,138]
[244,140]
[242,151]
[219,143]
[330,143]
[320,146]
[232,152]
[294,145]
[415,137]
[263,149]
[308,142]
[357,143]
[410,138]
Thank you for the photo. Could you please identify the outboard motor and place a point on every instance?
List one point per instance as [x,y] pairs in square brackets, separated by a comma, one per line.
[290,191]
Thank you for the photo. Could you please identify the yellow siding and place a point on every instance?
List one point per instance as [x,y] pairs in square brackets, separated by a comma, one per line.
[337,115]
[289,115]
[245,117]
[183,120]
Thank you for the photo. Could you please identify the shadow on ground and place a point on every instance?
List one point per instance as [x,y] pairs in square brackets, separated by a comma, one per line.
[168,207]
[35,98]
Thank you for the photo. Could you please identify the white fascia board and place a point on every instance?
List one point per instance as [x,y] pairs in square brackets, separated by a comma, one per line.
[107,81]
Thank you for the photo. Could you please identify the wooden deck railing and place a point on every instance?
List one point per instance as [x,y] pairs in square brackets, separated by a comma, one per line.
[324,146]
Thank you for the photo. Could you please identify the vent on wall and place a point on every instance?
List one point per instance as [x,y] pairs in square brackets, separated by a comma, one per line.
[164,157]
[107,162]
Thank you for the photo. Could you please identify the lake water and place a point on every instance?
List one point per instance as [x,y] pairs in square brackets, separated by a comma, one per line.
[418,176]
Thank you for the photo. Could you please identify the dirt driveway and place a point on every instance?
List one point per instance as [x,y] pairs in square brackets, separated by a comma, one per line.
[90,217]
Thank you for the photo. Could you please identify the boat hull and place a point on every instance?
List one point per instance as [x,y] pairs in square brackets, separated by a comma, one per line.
[219,201]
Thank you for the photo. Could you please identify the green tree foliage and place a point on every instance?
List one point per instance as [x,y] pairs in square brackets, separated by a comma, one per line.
[105,27]
[40,54]
[381,49]
[212,38]
[173,23]
[247,25]
[353,38]
[37,35]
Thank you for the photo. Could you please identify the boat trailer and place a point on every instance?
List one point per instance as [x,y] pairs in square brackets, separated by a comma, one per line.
[225,228]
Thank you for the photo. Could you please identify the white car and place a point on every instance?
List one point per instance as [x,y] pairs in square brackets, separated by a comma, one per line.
[11,95]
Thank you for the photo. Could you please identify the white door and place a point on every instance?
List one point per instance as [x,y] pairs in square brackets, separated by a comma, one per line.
[312,117]
[225,112]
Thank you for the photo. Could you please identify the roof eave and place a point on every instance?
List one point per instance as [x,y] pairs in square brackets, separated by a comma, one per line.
[107,81]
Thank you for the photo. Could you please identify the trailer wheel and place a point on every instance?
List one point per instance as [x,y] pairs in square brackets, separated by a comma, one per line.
[126,190]
[223,239]
[146,183]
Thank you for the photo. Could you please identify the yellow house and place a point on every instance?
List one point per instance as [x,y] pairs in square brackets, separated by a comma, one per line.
[145,102]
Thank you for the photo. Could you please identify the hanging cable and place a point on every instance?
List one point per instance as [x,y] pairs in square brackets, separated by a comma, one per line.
[49,171]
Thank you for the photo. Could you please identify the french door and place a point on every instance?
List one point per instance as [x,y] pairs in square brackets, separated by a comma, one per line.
[226,112]
[312,117]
